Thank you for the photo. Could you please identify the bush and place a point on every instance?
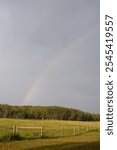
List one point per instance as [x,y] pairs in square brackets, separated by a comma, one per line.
[11,137]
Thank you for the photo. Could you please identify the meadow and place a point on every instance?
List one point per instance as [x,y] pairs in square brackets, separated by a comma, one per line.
[57,135]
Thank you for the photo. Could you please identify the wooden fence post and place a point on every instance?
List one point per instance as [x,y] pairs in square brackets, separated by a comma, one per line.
[62,131]
[14,129]
[74,131]
[79,128]
[92,127]
[87,128]
[41,131]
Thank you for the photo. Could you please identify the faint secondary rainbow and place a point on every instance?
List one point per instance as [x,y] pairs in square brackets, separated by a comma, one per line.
[52,63]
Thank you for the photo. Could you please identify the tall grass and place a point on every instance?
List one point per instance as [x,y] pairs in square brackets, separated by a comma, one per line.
[51,128]
[81,142]
[57,135]
[11,137]
[70,146]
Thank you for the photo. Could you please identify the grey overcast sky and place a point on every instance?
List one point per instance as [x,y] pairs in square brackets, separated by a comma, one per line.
[49,53]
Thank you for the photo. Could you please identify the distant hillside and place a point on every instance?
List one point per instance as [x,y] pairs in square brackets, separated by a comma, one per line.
[45,112]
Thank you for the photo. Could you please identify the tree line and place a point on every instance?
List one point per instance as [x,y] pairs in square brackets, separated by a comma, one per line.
[45,112]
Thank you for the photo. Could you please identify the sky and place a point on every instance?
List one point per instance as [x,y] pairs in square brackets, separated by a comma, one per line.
[50,53]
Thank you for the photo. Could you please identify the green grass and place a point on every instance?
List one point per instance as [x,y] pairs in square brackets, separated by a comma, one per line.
[57,135]
[51,128]
[82,142]
[70,146]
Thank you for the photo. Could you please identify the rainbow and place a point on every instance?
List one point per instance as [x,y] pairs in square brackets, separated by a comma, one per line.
[52,63]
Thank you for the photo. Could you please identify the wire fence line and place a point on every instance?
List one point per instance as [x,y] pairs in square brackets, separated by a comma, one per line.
[47,131]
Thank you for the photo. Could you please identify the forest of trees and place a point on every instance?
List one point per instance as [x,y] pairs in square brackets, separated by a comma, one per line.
[45,112]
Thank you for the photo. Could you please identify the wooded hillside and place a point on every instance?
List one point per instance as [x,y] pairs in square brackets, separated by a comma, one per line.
[45,112]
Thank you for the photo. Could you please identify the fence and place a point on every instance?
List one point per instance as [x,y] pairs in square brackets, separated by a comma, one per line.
[17,128]
[48,131]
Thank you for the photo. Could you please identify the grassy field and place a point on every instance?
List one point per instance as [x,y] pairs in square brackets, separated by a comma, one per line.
[57,135]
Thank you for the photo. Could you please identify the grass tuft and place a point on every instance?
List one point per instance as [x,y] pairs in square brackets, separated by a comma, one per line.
[11,137]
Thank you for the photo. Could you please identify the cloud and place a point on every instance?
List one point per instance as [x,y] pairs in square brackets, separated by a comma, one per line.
[33,36]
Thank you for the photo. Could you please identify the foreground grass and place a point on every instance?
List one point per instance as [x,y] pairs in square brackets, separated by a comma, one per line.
[81,142]
[52,139]
[51,128]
